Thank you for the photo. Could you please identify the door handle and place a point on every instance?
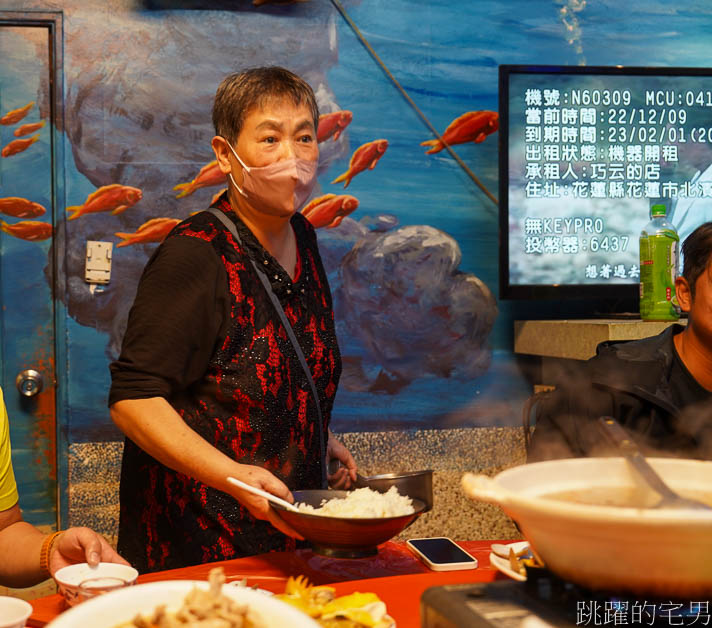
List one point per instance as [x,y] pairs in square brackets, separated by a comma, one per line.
[29,382]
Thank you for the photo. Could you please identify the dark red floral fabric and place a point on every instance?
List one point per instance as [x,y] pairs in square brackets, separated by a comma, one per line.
[238,384]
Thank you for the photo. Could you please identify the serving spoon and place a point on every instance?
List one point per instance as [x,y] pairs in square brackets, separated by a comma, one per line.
[268,496]
[615,433]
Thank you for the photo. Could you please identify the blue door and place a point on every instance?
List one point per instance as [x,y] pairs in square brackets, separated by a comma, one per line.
[27,199]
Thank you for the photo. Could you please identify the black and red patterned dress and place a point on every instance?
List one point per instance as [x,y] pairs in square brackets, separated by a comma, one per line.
[203,334]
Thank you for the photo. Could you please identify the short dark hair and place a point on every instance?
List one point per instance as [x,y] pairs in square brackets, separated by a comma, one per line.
[697,253]
[239,93]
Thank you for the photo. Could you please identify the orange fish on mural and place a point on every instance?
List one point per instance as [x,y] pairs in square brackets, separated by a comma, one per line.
[115,198]
[28,229]
[332,124]
[155,230]
[473,126]
[20,207]
[210,174]
[17,146]
[329,210]
[11,117]
[365,157]
[27,129]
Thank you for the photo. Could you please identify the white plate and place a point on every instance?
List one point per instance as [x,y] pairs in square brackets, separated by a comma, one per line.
[503,565]
[237,584]
[112,609]
[503,549]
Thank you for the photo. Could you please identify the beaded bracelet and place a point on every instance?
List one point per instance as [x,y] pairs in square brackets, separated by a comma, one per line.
[45,551]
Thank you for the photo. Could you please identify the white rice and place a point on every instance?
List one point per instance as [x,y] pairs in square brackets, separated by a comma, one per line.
[363,503]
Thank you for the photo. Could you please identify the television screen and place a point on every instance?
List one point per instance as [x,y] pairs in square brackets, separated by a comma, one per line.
[584,153]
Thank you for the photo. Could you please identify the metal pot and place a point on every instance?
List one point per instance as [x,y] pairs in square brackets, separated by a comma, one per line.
[413,484]
[662,552]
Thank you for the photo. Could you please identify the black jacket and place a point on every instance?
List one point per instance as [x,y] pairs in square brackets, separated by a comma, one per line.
[629,381]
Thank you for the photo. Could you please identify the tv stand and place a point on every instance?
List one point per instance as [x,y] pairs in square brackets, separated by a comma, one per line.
[622,316]
[578,338]
[556,342]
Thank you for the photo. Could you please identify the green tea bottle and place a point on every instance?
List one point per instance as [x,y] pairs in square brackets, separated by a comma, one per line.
[659,244]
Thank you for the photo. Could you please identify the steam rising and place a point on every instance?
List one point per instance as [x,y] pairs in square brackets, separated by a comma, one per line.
[570,429]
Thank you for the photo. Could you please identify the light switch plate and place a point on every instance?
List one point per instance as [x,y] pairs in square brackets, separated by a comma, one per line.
[97,268]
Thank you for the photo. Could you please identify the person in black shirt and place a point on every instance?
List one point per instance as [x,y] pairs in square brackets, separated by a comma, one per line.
[208,384]
[659,388]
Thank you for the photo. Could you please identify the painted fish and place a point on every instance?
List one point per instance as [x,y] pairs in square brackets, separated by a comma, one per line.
[17,146]
[365,157]
[210,174]
[329,210]
[332,124]
[27,229]
[115,198]
[26,129]
[11,117]
[20,207]
[155,230]
[473,126]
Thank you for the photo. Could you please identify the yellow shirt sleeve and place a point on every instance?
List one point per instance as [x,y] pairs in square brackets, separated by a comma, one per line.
[8,487]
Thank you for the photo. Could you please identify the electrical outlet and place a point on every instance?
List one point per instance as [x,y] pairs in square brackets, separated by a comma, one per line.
[97,268]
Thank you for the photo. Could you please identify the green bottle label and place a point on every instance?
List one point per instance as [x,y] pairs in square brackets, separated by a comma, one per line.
[658,271]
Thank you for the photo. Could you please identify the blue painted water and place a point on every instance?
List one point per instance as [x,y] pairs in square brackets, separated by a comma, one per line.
[445,54]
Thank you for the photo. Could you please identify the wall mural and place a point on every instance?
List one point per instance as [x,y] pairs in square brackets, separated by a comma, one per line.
[410,244]
[139,134]
[16,206]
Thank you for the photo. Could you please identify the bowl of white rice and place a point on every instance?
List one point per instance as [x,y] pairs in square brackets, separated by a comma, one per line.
[350,524]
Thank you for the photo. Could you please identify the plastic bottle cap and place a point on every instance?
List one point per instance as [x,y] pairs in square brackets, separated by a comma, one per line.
[658,210]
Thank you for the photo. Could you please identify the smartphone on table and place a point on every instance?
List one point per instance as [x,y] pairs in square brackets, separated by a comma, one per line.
[441,554]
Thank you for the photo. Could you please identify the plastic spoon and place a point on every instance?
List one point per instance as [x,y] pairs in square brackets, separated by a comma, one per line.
[258,491]
[670,499]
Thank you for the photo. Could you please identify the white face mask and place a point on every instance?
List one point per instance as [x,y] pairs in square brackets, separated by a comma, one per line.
[283,185]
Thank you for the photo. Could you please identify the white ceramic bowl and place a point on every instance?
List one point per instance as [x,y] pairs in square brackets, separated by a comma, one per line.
[107,575]
[110,610]
[13,612]
[649,551]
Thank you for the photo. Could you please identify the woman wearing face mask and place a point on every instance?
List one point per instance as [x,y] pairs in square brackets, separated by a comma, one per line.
[210,383]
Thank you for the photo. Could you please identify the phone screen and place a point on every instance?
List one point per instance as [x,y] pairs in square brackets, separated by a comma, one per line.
[441,550]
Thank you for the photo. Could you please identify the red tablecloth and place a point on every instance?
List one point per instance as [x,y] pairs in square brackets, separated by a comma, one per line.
[395,575]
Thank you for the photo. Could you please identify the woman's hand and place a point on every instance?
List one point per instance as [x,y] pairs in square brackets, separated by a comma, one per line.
[161,432]
[78,545]
[258,506]
[345,475]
